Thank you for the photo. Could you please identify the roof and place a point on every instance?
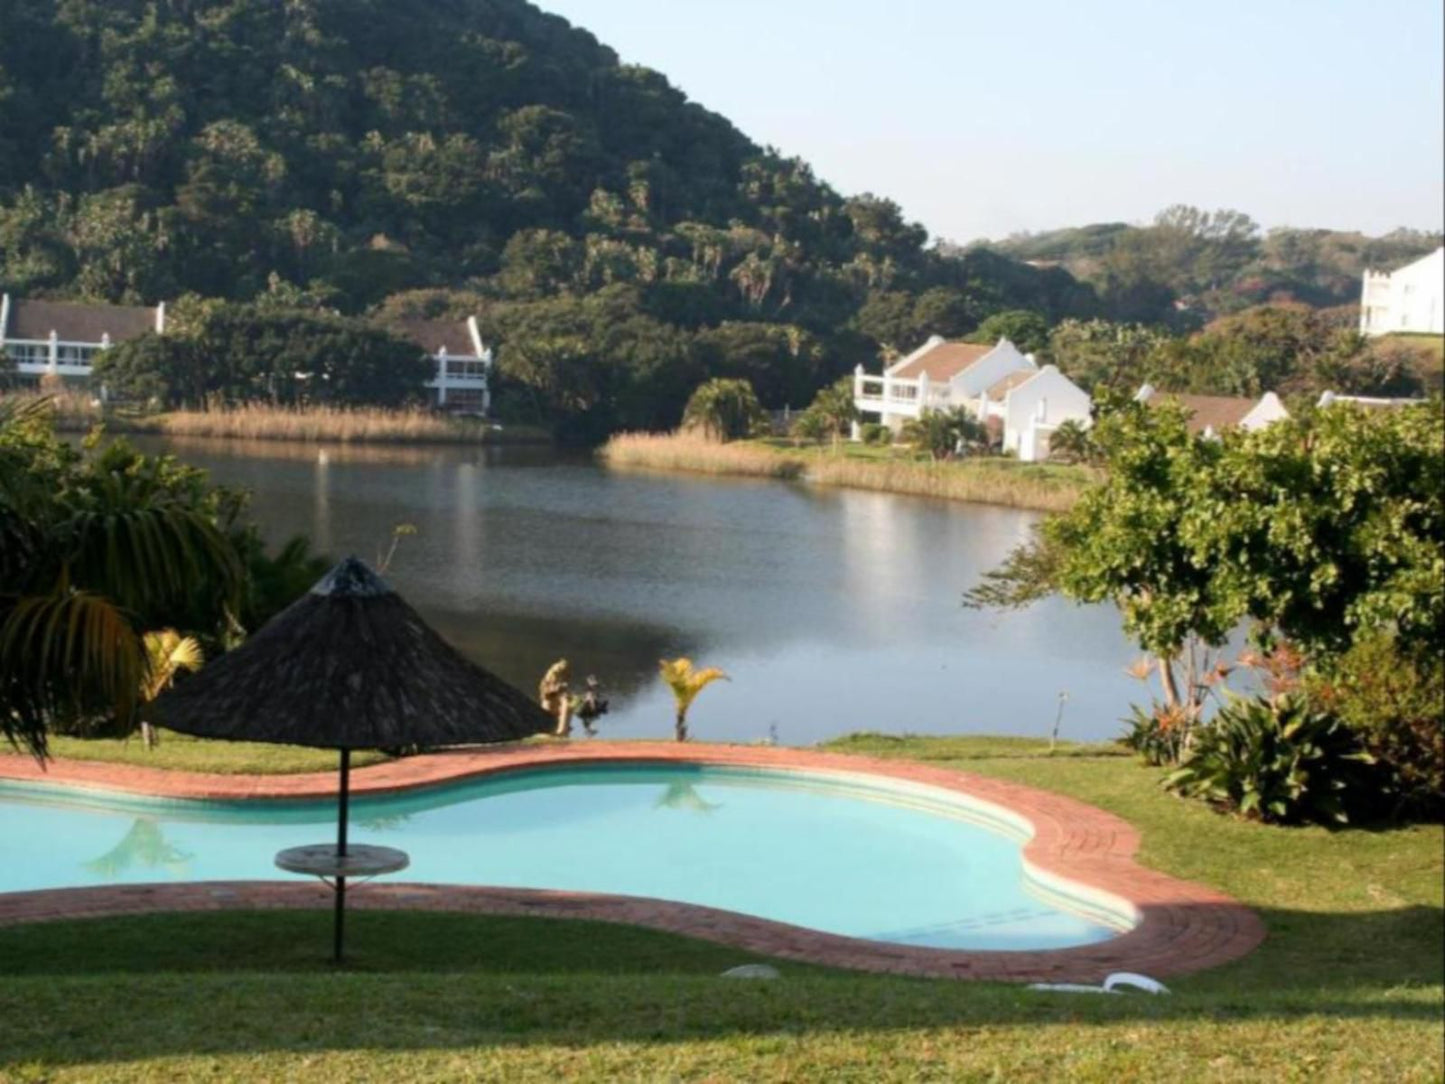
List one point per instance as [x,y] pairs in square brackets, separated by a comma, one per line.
[999,389]
[945,360]
[433,336]
[1214,412]
[78,323]
[349,665]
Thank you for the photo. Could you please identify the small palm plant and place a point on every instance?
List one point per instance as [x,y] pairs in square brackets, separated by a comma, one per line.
[686,681]
[167,654]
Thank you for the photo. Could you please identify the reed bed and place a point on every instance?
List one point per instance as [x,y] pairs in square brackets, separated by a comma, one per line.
[1042,487]
[342,425]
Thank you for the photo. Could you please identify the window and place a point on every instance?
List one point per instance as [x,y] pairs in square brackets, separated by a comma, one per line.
[469,370]
[28,353]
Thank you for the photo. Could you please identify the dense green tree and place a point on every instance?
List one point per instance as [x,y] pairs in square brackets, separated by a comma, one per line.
[235,354]
[96,548]
[1029,331]
[724,409]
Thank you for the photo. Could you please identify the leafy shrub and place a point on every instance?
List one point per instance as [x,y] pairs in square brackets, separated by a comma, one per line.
[1395,701]
[1156,735]
[876,433]
[1280,762]
[724,410]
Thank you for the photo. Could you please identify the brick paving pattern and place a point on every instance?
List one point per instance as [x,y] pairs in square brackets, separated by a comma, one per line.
[1182,928]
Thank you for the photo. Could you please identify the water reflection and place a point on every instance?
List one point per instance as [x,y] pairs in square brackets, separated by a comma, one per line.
[143,847]
[683,795]
[833,610]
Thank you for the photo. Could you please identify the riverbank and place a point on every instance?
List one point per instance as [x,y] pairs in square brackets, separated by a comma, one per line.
[1347,986]
[76,413]
[1046,487]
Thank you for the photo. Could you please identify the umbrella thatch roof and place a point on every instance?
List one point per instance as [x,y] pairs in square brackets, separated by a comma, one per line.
[349,666]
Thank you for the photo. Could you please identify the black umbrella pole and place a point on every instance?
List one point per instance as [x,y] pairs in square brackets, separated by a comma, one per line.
[340,923]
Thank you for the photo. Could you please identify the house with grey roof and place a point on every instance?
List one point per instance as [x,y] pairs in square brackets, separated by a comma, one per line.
[62,338]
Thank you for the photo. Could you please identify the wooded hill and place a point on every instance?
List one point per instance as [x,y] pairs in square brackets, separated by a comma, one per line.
[348,153]
[446,157]
[1215,263]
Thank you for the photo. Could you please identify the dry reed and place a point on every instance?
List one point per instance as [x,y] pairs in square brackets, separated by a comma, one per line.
[1048,488]
[361,424]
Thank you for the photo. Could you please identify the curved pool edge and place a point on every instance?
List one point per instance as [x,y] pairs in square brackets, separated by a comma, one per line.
[1182,926]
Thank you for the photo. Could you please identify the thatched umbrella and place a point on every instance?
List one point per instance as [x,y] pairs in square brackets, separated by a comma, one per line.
[349,666]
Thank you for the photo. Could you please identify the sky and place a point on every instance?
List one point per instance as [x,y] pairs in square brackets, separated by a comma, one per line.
[984,119]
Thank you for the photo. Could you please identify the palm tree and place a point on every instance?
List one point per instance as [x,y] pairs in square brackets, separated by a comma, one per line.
[94,548]
[686,682]
[167,654]
[724,409]
[939,432]
[1071,442]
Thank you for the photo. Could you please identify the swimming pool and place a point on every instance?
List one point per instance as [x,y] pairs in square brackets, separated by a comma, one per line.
[844,853]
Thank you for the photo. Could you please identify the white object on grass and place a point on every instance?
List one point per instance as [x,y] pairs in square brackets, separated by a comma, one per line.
[751,971]
[1115,983]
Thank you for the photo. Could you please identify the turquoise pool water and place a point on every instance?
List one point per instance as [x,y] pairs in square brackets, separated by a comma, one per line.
[846,854]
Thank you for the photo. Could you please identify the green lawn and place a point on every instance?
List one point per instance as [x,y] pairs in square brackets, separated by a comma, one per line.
[1348,986]
[181,751]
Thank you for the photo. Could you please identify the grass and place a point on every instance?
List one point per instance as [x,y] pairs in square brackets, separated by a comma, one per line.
[987,480]
[1348,987]
[183,752]
[78,412]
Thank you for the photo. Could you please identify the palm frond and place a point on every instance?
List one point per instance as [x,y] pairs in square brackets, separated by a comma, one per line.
[66,653]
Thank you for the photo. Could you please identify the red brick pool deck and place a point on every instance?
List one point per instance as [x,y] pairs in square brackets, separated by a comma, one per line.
[1182,928]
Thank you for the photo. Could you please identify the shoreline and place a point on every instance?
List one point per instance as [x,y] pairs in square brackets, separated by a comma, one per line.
[994,481]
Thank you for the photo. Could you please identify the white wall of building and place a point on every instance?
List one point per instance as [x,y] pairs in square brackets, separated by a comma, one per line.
[1269,409]
[988,371]
[1410,299]
[1037,407]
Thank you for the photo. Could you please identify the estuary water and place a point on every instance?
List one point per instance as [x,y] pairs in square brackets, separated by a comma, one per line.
[832,610]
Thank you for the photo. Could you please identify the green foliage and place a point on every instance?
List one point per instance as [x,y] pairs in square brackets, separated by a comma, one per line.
[940,432]
[1280,762]
[1027,330]
[1218,263]
[98,546]
[724,410]
[1322,530]
[1071,442]
[236,354]
[340,156]
[833,409]
[1156,734]
[1395,700]
[875,433]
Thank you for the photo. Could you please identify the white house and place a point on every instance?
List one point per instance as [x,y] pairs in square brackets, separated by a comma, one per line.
[1210,414]
[55,338]
[463,361]
[1031,405]
[61,339]
[994,383]
[1409,299]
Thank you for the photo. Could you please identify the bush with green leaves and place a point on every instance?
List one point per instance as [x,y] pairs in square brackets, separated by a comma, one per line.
[1395,700]
[876,433]
[724,410]
[1156,734]
[1280,761]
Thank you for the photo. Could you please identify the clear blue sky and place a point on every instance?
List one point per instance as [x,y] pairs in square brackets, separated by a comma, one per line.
[986,118]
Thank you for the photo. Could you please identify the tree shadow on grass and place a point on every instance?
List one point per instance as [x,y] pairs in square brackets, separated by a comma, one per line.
[255,981]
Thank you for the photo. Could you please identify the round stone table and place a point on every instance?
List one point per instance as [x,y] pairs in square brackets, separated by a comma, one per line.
[360,860]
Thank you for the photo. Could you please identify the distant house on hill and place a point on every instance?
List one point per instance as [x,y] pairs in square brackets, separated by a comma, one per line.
[997,384]
[1410,299]
[1212,414]
[60,338]
[1366,402]
[463,361]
